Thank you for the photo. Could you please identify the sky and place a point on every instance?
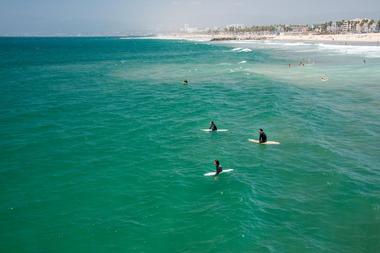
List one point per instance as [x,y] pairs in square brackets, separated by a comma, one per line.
[93,17]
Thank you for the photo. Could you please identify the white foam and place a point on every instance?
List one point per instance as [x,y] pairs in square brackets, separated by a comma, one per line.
[290,44]
[137,38]
[242,62]
[239,49]
[360,50]
[367,51]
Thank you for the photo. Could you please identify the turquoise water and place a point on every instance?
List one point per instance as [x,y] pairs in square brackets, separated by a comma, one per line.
[101,148]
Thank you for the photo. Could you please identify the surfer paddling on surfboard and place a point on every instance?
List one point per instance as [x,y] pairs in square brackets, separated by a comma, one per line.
[218,170]
[213,126]
[263,136]
[218,167]
[263,139]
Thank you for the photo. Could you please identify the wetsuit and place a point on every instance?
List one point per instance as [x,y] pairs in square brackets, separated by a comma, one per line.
[263,137]
[213,127]
[218,169]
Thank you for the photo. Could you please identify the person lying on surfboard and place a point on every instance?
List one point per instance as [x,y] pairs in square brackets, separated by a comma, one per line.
[218,167]
[213,126]
[263,136]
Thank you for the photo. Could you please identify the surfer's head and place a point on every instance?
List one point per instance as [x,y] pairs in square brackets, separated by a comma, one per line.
[216,162]
[261,130]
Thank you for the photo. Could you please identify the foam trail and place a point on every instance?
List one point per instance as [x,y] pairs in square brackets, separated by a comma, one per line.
[367,51]
[359,50]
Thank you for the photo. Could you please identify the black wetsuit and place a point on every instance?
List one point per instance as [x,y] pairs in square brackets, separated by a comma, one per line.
[263,137]
[218,169]
[213,127]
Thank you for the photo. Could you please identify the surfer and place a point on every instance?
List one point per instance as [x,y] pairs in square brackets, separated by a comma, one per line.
[263,136]
[185,82]
[213,126]
[218,167]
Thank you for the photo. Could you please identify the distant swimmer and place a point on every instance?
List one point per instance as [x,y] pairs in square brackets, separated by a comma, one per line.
[213,126]
[218,167]
[364,61]
[324,78]
[263,136]
[185,82]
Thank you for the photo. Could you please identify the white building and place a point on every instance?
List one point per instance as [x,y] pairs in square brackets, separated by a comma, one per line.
[332,28]
[365,28]
[345,26]
[299,29]
[358,28]
[372,28]
[280,29]
[357,20]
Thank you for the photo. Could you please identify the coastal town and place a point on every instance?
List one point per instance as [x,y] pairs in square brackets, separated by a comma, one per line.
[358,25]
[358,29]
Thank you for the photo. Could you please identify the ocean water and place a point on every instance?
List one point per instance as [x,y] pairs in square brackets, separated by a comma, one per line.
[101,148]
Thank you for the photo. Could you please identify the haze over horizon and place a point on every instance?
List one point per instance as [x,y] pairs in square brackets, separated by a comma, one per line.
[44,17]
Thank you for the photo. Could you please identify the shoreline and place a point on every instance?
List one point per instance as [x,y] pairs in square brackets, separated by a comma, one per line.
[368,39]
[341,39]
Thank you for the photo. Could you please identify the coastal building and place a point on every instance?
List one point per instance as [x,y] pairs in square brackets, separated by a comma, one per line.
[358,28]
[373,28]
[345,27]
[332,28]
[235,27]
[298,29]
[357,25]
[357,20]
[365,28]
[317,29]
[279,29]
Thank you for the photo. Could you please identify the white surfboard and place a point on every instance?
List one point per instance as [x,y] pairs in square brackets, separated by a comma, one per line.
[209,174]
[219,130]
[265,143]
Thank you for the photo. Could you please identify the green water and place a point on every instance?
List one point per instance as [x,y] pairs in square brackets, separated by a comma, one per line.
[101,148]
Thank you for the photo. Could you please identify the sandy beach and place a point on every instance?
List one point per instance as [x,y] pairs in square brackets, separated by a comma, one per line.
[367,38]
[190,37]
